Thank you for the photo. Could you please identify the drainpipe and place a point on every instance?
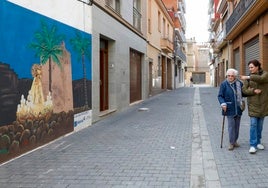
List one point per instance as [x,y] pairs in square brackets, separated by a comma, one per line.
[175,55]
[175,69]
[229,62]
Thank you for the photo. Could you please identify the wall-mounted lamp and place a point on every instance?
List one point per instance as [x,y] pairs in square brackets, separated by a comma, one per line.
[88,2]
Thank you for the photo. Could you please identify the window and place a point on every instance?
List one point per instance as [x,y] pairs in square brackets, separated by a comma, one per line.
[159,22]
[164,28]
[168,31]
[149,16]
[137,14]
[149,26]
[114,4]
[159,67]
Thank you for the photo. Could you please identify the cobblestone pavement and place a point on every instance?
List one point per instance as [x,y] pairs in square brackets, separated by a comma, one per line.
[170,140]
[238,168]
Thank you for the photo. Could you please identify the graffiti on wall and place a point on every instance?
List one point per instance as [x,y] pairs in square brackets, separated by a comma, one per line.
[45,79]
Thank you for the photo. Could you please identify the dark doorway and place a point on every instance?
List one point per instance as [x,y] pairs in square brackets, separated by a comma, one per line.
[104,77]
[135,76]
[164,73]
[150,78]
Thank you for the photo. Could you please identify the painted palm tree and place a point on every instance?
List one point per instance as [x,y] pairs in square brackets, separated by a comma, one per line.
[48,47]
[82,45]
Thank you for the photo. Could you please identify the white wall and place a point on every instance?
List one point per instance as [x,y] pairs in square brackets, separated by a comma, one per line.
[70,12]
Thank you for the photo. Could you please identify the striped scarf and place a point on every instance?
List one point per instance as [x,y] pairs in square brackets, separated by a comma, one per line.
[238,92]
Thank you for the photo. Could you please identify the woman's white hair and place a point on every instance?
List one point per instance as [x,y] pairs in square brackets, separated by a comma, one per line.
[232,71]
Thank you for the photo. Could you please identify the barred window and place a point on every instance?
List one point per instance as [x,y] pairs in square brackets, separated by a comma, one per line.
[114,4]
[137,14]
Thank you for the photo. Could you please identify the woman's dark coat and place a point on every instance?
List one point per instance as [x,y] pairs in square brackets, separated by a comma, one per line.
[257,103]
[228,96]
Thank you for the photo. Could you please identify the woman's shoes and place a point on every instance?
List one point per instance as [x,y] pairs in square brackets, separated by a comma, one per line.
[232,146]
[236,145]
[252,150]
[260,147]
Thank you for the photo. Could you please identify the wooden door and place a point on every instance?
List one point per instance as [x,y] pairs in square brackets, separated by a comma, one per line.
[104,77]
[169,74]
[150,78]
[135,76]
[164,73]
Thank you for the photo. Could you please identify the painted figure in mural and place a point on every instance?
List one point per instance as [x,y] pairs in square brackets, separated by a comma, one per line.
[36,92]
[35,104]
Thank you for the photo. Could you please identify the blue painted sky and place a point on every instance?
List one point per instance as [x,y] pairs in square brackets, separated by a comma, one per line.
[17,28]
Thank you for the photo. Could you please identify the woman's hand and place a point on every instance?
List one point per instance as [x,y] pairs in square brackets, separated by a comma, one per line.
[257,91]
[244,77]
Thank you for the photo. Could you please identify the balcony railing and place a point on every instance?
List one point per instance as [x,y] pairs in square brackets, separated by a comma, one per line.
[240,10]
[180,34]
[136,19]
[221,35]
[179,53]
[181,7]
[219,40]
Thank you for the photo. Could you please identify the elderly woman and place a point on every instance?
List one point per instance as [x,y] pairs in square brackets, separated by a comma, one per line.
[230,99]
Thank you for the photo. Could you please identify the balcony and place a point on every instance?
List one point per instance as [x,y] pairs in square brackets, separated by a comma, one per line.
[181,7]
[222,7]
[238,14]
[180,34]
[215,24]
[180,54]
[220,39]
[166,45]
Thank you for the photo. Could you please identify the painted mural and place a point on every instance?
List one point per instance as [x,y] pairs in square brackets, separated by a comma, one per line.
[45,79]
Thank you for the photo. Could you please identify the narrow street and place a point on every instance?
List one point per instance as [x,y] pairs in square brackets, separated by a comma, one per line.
[171,140]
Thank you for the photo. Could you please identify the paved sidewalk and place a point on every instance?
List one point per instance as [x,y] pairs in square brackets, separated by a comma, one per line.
[238,168]
[175,143]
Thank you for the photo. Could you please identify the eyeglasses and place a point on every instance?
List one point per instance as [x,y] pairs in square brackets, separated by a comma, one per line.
[231,75]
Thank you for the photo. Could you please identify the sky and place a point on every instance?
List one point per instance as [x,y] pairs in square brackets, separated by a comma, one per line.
[197,20]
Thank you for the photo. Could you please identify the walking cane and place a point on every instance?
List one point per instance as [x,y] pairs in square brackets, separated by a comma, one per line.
[222,129]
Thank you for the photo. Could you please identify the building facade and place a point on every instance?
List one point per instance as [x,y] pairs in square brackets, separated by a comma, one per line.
[120,68]
[160,47]
[66,64]
[197,63]
[177,10]
[239,34]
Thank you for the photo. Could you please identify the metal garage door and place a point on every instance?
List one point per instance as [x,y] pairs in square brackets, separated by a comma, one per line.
[199,77]
[237,60]
[252,51]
